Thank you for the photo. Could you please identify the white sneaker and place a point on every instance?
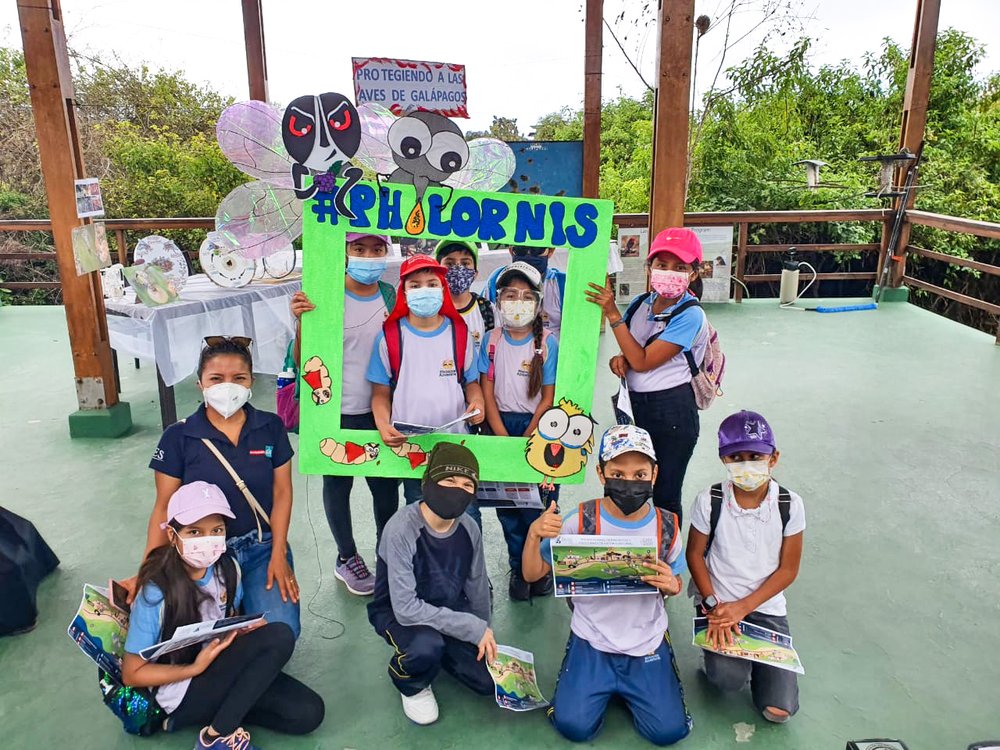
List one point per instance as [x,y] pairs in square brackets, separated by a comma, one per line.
[421,708]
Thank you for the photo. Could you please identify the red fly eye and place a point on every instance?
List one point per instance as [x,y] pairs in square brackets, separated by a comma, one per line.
[341,125]
[295,131]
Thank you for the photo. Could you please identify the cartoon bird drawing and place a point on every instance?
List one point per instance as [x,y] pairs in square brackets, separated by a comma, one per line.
[348,453]
[560,444]
[416,455]
[317,377]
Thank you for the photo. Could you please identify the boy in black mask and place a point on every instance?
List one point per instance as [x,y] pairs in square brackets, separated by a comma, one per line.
[432,597]
[618,644]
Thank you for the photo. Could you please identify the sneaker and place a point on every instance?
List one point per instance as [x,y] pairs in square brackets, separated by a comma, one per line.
[355,575]
[421,708]
[238,740]
[775,718]
[519,589]
[542,587]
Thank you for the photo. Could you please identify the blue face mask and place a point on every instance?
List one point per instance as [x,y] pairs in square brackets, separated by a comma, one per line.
[366,270]
[425,301]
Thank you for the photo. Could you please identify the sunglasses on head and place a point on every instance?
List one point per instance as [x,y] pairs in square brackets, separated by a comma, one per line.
[243,342]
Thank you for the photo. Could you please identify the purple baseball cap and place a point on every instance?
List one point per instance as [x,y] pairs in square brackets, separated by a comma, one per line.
[193,501]
[745,431]
[355,236]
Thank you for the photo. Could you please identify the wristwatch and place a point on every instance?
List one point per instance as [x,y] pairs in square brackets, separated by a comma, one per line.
[709,603]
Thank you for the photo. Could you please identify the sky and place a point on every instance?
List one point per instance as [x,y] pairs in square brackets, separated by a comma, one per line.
[524,58]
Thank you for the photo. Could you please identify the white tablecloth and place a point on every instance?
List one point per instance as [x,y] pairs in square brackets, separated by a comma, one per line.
[172,335]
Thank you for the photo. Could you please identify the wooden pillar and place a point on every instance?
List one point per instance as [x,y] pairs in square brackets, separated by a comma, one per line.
[914,120]
[671,115]
[593,54]
[52,103]
[253,35]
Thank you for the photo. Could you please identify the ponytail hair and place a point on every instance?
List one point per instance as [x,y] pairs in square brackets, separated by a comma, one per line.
[697,287]
[537,361]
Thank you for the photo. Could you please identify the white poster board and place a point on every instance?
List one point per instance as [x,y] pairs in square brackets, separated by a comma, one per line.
[633,246]
[404,86]
[717,262]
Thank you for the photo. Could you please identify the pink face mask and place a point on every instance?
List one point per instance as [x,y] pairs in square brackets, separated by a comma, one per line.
[202,551]
[669,284]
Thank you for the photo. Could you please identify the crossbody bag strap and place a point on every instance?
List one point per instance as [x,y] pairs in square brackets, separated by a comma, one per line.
[258,511]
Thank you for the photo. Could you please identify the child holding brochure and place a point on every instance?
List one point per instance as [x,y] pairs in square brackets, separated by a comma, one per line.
[744,548]
[423,368]
[221,684]
[518,366]
[618,644]
[432,597]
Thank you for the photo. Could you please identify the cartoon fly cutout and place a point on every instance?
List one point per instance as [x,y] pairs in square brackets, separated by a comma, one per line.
[317,376]
[560,444]
[348,453]
[315,134]
[427,149]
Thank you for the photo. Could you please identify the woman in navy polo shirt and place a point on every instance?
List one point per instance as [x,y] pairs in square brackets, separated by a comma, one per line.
[255,443]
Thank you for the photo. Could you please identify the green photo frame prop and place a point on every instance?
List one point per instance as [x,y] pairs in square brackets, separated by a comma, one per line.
[581,225]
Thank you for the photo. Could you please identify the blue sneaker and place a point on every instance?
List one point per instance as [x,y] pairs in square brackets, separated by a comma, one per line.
[238,740]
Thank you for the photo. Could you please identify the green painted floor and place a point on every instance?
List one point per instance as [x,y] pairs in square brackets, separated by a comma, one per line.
[888,426]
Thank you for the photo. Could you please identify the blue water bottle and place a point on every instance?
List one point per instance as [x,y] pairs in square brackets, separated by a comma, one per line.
[287,377]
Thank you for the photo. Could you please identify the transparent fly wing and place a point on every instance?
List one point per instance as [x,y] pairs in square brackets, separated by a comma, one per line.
[259,219]
[249,134]
[491,165]
[374,154]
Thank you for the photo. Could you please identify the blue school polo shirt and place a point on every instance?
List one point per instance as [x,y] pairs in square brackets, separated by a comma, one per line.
[262,447]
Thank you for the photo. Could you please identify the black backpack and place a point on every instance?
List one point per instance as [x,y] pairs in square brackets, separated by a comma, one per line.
[784,508]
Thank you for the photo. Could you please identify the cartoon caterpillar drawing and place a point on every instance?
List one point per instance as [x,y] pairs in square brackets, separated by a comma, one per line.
[317,377]
[416,455]
[349,453]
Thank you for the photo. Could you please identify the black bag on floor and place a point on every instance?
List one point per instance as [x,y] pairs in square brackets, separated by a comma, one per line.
[876,745]
[25,559]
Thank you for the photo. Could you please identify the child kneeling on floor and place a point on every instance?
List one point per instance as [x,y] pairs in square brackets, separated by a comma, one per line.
[220,684]
[432,596]
[618,644]
[744,548]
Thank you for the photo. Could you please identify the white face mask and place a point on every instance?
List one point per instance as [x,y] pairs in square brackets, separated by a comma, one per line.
[749,475]
[202,551]
[226,398]
[518,313]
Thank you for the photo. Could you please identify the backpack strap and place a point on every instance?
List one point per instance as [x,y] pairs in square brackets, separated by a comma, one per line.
[716,496]
[486,310]
[784,507]
[394,348]
[492,344]
[633,307]
[255,507]
[388,294]
[667,530]
[589,517]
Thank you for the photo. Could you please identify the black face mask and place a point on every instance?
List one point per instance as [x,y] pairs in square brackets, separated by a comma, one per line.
[447,502]
[628,494]
[539,262]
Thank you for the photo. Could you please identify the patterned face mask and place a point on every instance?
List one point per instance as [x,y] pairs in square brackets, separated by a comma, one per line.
[518,313]
[749,475]
[669,284]
[460,278]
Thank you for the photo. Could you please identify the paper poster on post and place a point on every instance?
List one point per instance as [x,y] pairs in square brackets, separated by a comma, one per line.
[403,86]
[90,248]
[717,262]
[88,198]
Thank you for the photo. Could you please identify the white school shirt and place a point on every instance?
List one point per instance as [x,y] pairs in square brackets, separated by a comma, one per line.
[363,319]
[747,545]
[512,369]
[552,305]
[689,330]
[428,392]
[473,318]
[630,624]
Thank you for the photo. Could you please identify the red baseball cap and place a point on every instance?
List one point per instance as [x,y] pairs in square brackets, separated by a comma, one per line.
[421,263]
[677,241]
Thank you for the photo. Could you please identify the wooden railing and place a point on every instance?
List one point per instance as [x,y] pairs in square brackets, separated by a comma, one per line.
[741,220]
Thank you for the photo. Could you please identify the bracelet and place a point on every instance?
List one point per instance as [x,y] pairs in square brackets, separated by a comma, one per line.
[617,323]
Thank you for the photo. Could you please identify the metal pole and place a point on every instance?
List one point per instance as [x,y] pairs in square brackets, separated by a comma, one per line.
[52,102]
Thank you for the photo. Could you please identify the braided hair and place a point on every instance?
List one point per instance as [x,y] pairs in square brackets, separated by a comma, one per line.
[537,361]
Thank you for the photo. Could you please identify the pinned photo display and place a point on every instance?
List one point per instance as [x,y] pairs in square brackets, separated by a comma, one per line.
[588,565]
[88,198]
[90,248]
[513,673]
